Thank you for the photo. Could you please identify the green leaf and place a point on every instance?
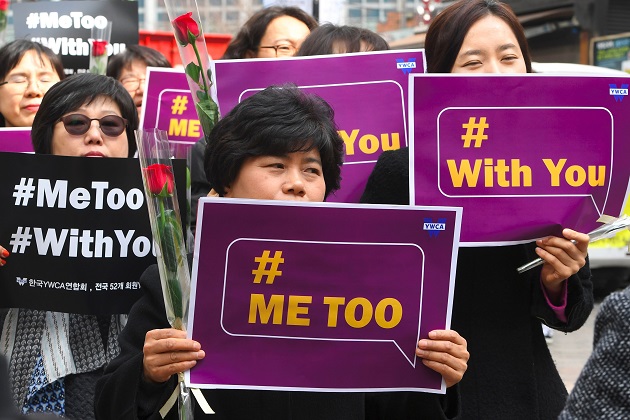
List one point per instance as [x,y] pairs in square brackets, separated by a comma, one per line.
[171,239]
[208,113]
[203,96]
[193,71]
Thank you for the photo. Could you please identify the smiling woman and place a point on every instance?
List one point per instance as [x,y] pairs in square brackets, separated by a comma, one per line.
[27,71]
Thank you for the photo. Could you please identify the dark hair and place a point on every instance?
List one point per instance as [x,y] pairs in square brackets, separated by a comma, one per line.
[249,36]
[123,60]
[345,39]
[275,121]
[12,53]
[446,33]
[74,92]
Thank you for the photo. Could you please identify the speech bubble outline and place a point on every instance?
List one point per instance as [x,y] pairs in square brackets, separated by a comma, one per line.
[159,116]
[225,276]
[600,212]
[402,103]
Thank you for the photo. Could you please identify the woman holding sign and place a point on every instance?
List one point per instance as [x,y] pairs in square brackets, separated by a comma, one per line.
[511,374]
[279,144]
[56,358]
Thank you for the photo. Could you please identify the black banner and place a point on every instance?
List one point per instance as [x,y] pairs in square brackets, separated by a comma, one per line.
[66,27]
[78,232]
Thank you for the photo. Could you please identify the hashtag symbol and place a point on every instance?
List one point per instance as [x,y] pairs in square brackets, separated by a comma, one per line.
[23,191]
[262,261]
[179,104]
[20,240]
[32,20]
[474,131]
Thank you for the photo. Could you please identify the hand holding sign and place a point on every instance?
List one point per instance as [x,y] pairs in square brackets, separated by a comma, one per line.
[167,352]
[446,353]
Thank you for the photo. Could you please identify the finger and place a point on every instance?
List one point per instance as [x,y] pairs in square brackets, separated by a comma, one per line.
[560,268]
[163,333]
[161,374]
[3,254]
[581,239]
[447,335]
[451,376]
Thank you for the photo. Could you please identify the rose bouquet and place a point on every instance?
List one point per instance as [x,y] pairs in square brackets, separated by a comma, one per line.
[99,42]
[185,20]
[166,226]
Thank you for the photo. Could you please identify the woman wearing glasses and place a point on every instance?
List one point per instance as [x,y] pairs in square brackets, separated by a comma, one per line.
[27,71]
[91,116]
[130,68]
[272,32]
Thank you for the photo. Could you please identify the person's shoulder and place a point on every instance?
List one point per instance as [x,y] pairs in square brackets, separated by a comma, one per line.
[618,304]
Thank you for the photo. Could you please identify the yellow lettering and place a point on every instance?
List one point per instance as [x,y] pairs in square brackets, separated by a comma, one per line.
[517,171]
[351,309]
[333,309]
[596,175]
[349,141]
[379,313]
[193,128]
[464,172]
[368,144]
[295,309]
[575,175]
[257,306]
[387,145]
[554,170]
[177,127]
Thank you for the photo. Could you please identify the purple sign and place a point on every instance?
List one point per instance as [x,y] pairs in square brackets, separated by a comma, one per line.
[16,140]
[368,92]
[308,305]
[523,165]
[168,106]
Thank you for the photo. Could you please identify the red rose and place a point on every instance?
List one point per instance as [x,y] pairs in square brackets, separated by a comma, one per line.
[159,179]
[185,25]
[4,5]
[98,48]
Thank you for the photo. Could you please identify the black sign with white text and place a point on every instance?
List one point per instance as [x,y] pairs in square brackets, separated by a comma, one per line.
[66,27]
[77,230]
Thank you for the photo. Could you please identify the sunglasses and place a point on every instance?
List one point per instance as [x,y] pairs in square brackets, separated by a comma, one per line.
[78,124]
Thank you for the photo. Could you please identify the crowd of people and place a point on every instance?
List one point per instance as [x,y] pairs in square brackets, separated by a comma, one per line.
[494,362]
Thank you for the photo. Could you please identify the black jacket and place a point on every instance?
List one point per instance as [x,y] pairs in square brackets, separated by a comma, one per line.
[511,374]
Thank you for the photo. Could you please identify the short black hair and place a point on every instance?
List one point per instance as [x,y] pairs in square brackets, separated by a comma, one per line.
[275,121]
[12,53]
[72,93]
[123,60]
[249,36]
[328,38]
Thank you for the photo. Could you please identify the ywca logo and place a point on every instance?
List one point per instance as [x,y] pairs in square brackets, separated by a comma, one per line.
[618,93]
[405,66]
[21,280]
[434,228]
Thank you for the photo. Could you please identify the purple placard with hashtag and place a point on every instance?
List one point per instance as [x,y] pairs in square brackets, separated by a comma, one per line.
[368,92]
[522,165]
[168,105]
[16,140]
[312,305]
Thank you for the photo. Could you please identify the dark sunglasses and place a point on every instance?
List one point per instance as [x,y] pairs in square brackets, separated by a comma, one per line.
[78,124]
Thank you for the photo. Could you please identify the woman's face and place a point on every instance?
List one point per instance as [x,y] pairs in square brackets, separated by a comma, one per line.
[132,78]
[92,143]
[286,32]
[27,83]
[296,176]
[490,47]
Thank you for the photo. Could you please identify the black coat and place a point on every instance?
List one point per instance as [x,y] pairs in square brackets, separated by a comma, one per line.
[510,372]
[122,394]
